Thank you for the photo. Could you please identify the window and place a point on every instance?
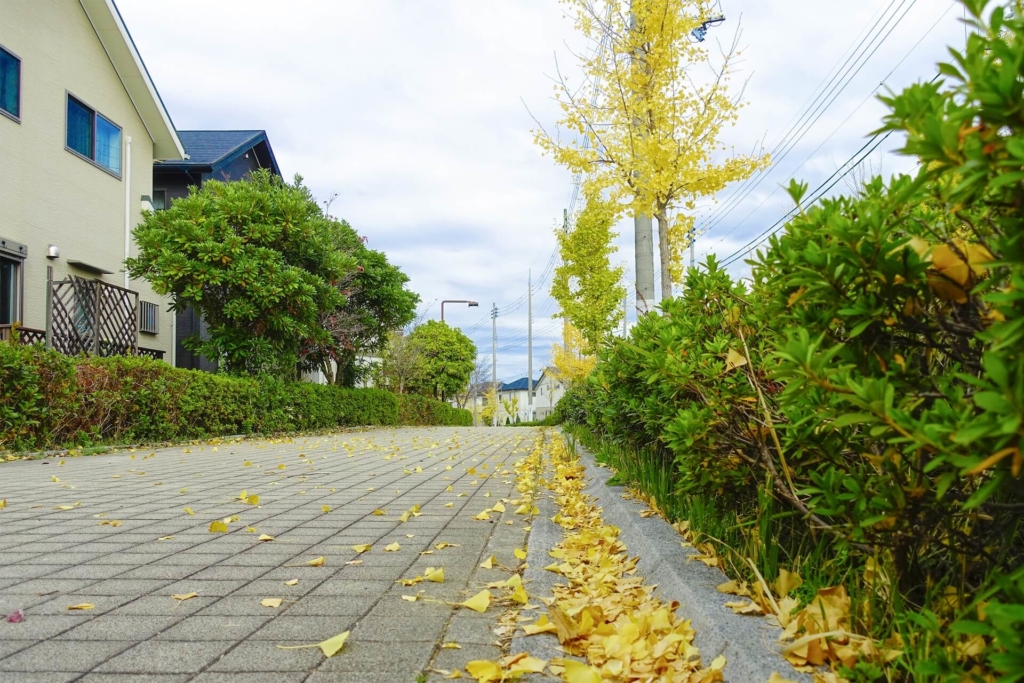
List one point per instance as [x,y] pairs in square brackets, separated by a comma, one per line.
[94,137]
[10,85]
[149,317]
[159,200]
[12,282]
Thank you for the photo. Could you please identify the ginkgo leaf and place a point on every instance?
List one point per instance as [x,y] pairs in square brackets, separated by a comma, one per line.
[53,478]
[165,538]
[542,625]
[449,505]
[392,547]
[362,548]
[253,500]
[271,602]
[483,516]
[3,503]
[326,508]
[734,359]
[247,463]
[281,466]
[265,537]
[519,553]
[744,607]
[218,526]
[479,602]
[578,672]
[317,561]
[291,582]
[184,596]
[242,495]
[451,646]
[484,670]
[442,545]
[489,562]
[527,665]
[523,509]
[81,607]
[498,507]
[404,517]
[777,678]
[379,513]
[189,512]
[434,575]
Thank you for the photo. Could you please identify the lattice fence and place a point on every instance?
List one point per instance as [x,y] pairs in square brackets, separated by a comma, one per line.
[89,316]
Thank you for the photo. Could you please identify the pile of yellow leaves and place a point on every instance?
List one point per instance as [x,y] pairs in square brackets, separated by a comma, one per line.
[605,613]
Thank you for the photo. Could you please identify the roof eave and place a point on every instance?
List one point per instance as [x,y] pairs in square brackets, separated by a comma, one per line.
[120,48]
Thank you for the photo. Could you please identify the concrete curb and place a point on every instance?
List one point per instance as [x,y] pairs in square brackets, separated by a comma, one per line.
[750,644]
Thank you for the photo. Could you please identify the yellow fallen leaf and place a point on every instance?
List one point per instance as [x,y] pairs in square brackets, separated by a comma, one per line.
[326,508]
[3,503]
[434,575]
[184,596]
[484,670]
[82,607]
[392,547]
[281,466]
[218,526]
[379,513]
[744,607]
[578,672]
[489,562]
[404,517]
[253,500]
[442,545]
[65,507]
[498,507]
[52,478]
[231,520]
[523,509]
[265,537]
[247,463]
[449,505]
[776,678]
[362,548]
[527,665]
[291,582]
[165,538]
[734,359]
[271,602]
[242,495]
[483,516]
[185,490]
[542,625]
[317,561]
[520,553]
[479,602]
[450,646]
[189,512]
[251,529]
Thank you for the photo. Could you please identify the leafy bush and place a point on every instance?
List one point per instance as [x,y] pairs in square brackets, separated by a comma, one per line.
[414,409]
[50,400]
[858,414]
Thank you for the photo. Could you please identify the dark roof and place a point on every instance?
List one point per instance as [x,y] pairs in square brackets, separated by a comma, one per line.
[519,384]
[208,148]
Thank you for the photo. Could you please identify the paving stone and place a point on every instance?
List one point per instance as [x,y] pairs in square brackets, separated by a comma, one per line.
[63,655]
[166,657]
[421,628]
[315,629]
[252,655]
[457,659]
[253,677]
[134,678]
[466,630]
[201,628]
[379,658]
[114,627]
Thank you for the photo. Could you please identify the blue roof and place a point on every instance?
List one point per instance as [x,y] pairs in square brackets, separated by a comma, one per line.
[214,147]
[519,384]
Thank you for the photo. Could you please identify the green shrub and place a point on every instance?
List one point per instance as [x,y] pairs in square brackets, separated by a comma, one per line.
[858,414]
[49,400]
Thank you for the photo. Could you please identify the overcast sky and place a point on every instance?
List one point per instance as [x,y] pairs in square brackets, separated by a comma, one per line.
[412,112]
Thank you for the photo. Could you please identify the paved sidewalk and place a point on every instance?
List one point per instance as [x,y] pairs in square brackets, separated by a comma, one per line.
[53,558]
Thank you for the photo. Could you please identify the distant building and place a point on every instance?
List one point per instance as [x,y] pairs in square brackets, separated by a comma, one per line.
[224,155]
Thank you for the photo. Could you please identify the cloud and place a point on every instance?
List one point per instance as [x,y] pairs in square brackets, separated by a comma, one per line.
[413,113]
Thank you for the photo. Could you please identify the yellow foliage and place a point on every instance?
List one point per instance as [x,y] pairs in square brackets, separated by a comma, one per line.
[570,363]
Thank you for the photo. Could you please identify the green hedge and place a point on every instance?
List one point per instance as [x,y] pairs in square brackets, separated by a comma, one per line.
[414,409]
[49,400]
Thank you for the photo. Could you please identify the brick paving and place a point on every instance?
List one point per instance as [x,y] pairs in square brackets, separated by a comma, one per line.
[53,558]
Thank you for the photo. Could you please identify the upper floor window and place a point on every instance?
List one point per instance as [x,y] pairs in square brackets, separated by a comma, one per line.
[10,84]
[93,136]
[12,257]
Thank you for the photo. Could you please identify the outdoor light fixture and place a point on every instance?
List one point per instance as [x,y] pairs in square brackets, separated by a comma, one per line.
[52,252]
[471,304]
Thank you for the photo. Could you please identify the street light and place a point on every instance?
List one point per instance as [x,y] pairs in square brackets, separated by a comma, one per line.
[456,301]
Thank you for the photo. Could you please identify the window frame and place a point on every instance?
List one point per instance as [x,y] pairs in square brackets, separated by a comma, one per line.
[13,117]
[68,95]
[16,253]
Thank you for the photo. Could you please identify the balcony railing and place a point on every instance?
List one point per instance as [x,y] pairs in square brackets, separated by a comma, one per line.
[25,335]
[29,335]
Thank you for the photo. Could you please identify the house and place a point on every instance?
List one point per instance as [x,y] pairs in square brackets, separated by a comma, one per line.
[515,401]
[224,155]
[81,124]
[549,391]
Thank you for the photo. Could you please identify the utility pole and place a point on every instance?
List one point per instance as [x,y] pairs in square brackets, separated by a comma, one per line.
[529,344]
[494,357]
[625,313]
[693,240]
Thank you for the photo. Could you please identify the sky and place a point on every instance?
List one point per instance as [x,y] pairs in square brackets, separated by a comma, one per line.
[418,115]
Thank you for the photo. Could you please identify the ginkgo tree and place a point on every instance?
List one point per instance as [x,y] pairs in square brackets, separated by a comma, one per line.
[570,362]
[652,133]
[586,285]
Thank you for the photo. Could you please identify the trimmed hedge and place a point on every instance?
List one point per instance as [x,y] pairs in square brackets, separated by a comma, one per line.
[48,400]
[414,409]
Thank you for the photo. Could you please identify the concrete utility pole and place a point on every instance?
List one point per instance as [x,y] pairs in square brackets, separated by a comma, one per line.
[625,314]
[643,243]
[529,344]
[494,357]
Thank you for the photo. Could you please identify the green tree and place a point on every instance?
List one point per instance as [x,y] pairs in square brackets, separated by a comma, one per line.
[585,285]
[377,302]
[400,363]
[446,360]
[258,260]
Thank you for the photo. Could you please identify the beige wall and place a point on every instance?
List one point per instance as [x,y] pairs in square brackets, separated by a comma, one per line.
[49,195]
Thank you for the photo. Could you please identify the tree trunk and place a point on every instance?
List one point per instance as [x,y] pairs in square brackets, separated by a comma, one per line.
[644,268]
[666,256]
[328,371]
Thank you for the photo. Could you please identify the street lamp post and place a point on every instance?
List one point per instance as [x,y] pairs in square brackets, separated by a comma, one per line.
[456,301]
